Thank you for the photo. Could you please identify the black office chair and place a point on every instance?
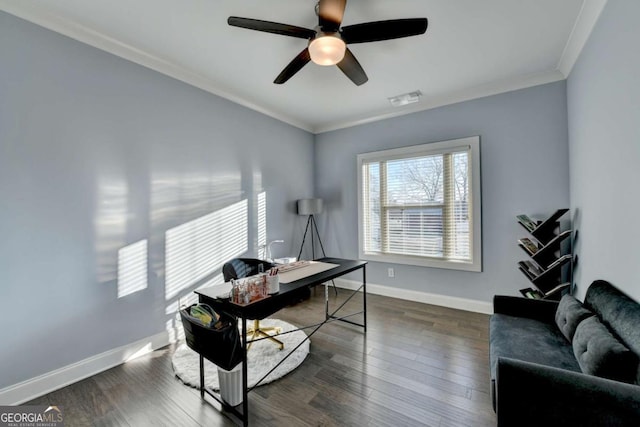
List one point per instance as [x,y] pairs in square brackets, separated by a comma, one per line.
[239,268]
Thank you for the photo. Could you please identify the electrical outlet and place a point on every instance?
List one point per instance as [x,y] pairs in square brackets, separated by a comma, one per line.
[390,272]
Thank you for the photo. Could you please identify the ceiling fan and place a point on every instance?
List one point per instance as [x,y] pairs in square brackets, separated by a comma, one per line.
[328,41]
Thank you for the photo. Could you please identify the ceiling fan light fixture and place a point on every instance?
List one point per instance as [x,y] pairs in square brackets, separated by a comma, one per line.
[327,42]
[328,49]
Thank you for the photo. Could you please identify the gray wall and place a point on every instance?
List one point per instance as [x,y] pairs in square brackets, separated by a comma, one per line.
[524,164]
[603,93]
[97,153]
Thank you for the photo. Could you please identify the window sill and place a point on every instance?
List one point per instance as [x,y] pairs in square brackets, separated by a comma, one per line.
[422,262]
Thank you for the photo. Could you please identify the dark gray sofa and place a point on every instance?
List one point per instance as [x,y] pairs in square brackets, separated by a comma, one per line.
[539,350]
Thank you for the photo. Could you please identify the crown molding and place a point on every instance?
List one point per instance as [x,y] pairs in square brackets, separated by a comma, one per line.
[467,94]
[108,44]
[585,22]
[589,14]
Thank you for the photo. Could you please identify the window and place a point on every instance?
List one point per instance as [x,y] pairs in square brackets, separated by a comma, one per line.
[420,205]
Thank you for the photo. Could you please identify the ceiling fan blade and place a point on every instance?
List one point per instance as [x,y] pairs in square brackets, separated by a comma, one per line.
[271,27]
[330,14]
[383,30]
[294,66]
[352,68]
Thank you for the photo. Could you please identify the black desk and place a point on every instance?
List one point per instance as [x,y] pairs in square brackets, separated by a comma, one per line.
[289,293]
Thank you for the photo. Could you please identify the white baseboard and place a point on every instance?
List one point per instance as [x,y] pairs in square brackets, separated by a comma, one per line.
[424,297]
[35,387]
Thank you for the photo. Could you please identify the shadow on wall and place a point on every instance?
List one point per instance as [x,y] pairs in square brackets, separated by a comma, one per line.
[196,226]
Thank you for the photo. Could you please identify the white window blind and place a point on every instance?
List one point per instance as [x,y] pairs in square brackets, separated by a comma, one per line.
[416,205]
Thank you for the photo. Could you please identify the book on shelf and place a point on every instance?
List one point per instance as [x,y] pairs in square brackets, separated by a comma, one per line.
[531,293]
[528,244]
[531,267]
[528,223]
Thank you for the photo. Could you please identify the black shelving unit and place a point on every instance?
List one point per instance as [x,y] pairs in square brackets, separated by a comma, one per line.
[548,257]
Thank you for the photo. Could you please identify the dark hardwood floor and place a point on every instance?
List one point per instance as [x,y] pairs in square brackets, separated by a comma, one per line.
[418,365]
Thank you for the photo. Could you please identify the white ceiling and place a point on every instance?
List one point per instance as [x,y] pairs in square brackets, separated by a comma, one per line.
[471,48]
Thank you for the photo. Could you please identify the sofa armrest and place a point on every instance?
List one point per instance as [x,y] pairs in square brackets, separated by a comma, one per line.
[537,309]
[529,394]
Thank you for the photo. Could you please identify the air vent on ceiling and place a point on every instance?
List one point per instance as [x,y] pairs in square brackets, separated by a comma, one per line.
[405,98]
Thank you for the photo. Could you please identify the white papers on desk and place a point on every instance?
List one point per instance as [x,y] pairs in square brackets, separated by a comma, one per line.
[221,291]
[314,267]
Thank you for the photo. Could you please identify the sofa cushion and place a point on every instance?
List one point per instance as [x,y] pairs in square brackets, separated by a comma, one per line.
[529,340]
[601,354]
[618,312]
[569,314]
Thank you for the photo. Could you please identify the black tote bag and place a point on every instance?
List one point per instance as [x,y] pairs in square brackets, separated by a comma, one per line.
[220,346]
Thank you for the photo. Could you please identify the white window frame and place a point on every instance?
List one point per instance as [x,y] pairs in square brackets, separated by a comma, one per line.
[473,143]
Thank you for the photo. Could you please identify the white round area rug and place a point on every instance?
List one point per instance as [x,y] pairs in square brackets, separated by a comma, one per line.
[261,358]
